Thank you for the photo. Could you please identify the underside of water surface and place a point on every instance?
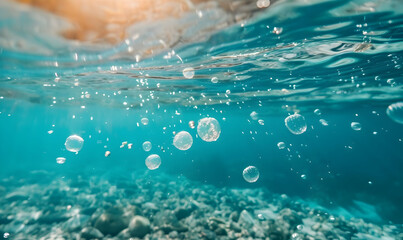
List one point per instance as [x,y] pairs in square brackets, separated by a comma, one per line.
[175,119]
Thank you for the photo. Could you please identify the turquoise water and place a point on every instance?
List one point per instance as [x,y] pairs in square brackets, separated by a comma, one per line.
[341,57]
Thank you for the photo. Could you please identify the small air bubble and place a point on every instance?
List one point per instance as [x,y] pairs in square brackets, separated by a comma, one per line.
[60,160]
[356,126]
[188,73]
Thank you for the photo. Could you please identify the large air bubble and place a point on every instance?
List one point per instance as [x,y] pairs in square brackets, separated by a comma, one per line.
[74,143]
[183,140]
[153,161]
[251,174]
[395,112]
[209,129]
[296,123]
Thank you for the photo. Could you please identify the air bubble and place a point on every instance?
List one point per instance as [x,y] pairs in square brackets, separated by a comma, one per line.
[296,123]
[395,112]
[251,174]
[356,126]
[74,143]
[60,160]
[254,115]
[192,124]
[317,112]
[144,121]
[263,3]
[323,122]
[281,145]
[188,73]
[214,80]
[183,140]
[208,129]
[153,161]
[107,153]
[147,146]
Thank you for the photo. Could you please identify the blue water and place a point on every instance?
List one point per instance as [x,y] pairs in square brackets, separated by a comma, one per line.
[342,57]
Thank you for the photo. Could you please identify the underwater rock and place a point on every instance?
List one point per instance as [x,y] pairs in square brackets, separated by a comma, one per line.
[178,227]
[173,234]
[235,227]
[291,217]
[246,219]
[167,222]
[209,235]
[234,216]
[91,233]
[16,196]
[183,212]
[88,211]
[56,197]
[220,231]
[4,219]
[139,226]
[76,222]
[49,218]
[111,222]
[278,218]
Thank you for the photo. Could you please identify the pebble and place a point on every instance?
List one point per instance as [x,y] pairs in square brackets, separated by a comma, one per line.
[139,226]
[110,222]
[101,209]
[91,233]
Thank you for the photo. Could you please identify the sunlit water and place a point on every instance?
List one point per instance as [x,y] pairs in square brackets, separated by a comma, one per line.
[130,107]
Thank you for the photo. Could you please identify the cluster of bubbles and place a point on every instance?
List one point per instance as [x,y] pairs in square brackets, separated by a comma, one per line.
[209,130]
[395,112]
[153,161]
[74,143]
[296,124]
[183,140]
[251,174]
